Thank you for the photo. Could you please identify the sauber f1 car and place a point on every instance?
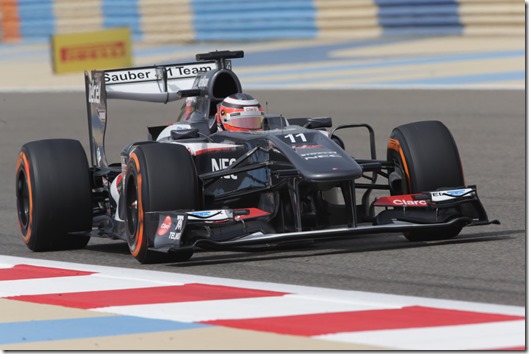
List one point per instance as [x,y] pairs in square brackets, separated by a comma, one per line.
[190,186]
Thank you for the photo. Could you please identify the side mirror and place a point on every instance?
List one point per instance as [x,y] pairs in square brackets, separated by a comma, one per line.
[318,122]
[184,134]
[155,131]
[274,122]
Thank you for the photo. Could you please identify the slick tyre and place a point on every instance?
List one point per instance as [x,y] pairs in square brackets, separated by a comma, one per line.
[159,177]
[425,158]
[53,194]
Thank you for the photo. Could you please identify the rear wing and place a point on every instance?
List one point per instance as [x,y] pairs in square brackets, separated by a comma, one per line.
[150,83]
[158,83]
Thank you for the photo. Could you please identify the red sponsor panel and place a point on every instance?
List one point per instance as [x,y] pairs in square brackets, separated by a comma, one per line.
[165,226]
[250,213]
[406,200]
[210,150]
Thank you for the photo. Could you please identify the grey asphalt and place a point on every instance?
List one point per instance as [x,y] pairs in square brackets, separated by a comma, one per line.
[484,264]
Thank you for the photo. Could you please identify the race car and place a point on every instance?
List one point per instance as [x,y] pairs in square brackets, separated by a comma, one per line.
[192,186]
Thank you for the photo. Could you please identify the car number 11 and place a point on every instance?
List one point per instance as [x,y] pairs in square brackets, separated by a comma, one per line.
[294,138]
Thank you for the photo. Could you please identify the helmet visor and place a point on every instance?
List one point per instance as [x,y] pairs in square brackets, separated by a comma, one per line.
[244,120]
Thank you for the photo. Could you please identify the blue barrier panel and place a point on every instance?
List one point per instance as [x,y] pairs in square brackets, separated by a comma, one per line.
[37,28]
[201,6]
[255,35]
[419,17]
[22,3]
[28,10]
[122,13]
[117,8]
[410,3]
[235,26]
[36,18]
[253,20]
[415,21]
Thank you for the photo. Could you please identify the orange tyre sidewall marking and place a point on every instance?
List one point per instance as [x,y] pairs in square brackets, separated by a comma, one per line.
[394,145]
[22,162]
[136,248]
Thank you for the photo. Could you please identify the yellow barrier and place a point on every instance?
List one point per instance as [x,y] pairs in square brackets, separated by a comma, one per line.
[91,50]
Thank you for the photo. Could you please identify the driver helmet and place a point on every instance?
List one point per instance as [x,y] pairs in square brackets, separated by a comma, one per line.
[239,112]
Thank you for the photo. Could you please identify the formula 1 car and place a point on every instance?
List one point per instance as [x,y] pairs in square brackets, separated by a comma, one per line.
[190,187]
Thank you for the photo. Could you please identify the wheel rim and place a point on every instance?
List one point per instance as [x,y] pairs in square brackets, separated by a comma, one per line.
[23,202]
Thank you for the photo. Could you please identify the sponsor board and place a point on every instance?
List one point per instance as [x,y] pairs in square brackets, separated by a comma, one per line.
[76,52]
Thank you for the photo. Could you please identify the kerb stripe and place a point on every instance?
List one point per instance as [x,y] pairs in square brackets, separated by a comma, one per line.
[141,296]
[326,323]
[24,271]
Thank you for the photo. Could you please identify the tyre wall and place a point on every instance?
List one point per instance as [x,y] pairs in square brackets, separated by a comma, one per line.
[181,21]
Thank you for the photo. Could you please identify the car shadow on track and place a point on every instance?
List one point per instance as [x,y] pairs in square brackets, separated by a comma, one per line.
[108,246]
[357,244]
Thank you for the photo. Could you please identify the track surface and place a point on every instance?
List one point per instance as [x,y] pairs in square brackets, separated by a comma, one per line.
[485,264]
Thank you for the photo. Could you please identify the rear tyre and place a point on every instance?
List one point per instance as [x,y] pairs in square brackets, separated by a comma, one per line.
[53,194]
[159,177]
[425,158]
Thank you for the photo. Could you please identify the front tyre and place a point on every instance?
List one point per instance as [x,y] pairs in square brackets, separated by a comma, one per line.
[425,158]
[159,177]
[53,194]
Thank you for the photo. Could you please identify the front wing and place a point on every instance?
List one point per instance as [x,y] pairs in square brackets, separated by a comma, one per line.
[330,234]
[169,227]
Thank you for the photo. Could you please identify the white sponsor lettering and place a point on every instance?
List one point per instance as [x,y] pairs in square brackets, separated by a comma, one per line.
[94,93]
[319,155]
[147,74]
[187,71]
[179,223]
[221,164]
[451,194]
[118,77]
[400,202]
[294,138]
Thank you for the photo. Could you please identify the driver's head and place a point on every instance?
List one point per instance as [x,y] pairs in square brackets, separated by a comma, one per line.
[239,112]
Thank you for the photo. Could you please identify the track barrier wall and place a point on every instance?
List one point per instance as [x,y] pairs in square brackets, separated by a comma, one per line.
[185,21]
